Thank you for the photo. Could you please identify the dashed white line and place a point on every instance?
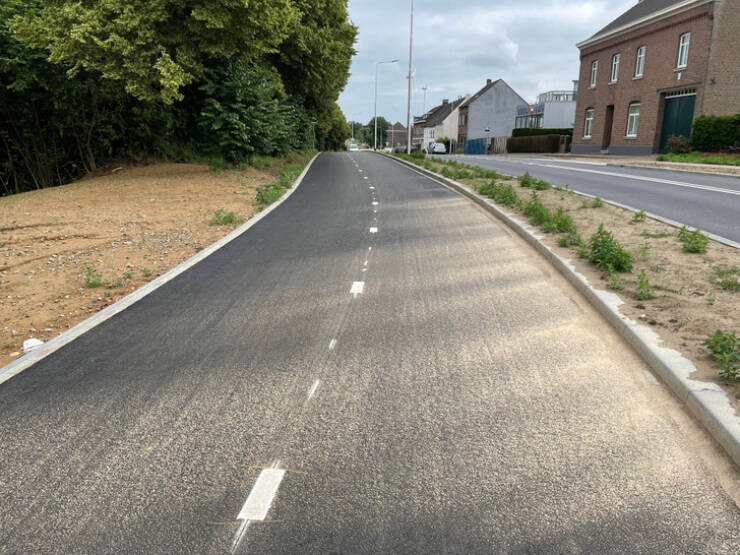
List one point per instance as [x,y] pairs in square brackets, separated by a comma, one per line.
[373,230]
[314,387]
[375,203]
[357,287]
[332,344]
[259,501]
[371,188]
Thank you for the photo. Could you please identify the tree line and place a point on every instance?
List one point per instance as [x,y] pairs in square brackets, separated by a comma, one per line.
[83,82]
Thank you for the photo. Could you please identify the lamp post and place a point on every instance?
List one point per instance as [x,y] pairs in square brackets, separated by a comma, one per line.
[408,109]
[375,138]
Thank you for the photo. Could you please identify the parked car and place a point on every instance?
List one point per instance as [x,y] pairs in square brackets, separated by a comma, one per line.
[399,149]
[437,148]
[353,147]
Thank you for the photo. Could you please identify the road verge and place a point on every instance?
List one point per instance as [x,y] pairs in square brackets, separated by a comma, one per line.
[19,365]
[705,401]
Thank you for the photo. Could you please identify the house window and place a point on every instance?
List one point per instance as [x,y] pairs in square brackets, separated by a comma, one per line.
[633,119]
[594,71]
[588,126]
[640,62]
[683,50]
[615,68]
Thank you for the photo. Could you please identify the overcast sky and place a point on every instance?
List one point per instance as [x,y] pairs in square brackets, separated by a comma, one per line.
[458,44]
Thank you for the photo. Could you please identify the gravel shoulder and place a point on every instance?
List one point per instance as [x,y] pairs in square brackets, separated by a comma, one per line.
[128,224]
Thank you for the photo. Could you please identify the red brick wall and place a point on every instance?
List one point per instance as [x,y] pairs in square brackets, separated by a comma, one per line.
[661,39]
[722,90]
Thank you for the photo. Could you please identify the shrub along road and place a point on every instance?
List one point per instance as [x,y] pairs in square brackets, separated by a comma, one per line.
[376,366]
[708,202]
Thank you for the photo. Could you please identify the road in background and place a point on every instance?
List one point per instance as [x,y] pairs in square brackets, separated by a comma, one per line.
[377,366]
[708,202]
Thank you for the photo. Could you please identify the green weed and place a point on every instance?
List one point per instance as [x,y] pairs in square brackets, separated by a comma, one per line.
[222,217]
[615,282]
[127,274]
[711,298]
[146,272]
[725,349]
[572,239]
[597,203]
[644,291]
[530,182]
[93,278]
[660,235]
[693,241]
[639,216]
[607,253]
[107,293]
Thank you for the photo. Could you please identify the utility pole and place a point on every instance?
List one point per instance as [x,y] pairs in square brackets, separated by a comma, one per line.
[408,109]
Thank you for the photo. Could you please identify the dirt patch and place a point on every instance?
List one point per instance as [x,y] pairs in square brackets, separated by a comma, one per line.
[123,228]
[688,305]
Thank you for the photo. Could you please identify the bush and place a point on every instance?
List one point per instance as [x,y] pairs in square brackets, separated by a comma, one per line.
[678,144]
[644,291]
[543,143]
[535,132]
[222,217]
[725,349]
[607,253]
[530,182]
[572,239]
[711,133]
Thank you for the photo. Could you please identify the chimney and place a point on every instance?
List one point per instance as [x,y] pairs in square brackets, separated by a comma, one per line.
[488,81]
[445,101]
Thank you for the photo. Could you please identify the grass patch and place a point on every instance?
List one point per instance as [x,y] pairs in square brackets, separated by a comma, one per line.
[659,235]
[702,158]
[597,203]
[725,349]
[571,239]
[93,278]
[530,182]
[615,282]
[639,216]
[644,290]
[222,217]
[146,272]
[725,278]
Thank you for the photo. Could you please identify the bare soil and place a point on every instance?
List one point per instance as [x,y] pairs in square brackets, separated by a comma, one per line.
[688,306]
[130,224]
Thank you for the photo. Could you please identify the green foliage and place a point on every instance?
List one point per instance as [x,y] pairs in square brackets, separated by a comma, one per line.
[644,291]
[615,282]
[503,194]
[93,278]
[702,158]
[678,144]
[726,278]
[639,216]
[146,272]
[530,182]
[607,253]
[693,241]
[571,239]
[659,235]
[712,133]
[725,349]
[597,203]
[222,217]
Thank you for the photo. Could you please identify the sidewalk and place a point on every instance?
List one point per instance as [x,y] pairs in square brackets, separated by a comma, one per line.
[650,161]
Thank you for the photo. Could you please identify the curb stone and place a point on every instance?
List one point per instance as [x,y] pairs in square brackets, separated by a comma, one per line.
[17,366]
[707,402]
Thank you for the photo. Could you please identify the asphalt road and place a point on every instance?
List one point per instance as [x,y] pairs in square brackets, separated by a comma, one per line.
[463,399]
[708,202]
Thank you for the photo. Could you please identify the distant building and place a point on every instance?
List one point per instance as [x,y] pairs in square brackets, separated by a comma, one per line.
[396,135]
[553,110]
[650,72]
[441,121]
[492,108]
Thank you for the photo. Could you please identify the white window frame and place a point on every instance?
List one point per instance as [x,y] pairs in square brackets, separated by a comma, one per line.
[633,119]
[588,124]
[640,61]
[683,50]
[594,73]
[615,68]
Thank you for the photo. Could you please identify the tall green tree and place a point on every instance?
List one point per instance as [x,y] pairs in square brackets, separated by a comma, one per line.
[155,47]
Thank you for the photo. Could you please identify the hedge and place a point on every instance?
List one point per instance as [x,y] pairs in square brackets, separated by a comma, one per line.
[545,143]
[712,133]
[532,132]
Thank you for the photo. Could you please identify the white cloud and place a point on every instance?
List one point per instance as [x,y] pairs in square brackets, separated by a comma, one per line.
[458,45]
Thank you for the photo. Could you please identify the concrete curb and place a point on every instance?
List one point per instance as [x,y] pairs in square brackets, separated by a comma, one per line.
[17,366]
[706,401]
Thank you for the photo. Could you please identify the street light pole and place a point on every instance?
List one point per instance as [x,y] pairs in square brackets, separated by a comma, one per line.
[408,109]
[377,64]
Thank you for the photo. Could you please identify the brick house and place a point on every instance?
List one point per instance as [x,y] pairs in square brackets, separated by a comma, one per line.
[396,135]
[650,72]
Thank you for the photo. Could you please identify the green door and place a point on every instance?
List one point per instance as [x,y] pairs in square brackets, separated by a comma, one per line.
[678,115]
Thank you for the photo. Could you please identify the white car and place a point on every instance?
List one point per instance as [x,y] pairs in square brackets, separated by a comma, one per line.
[353,147]
[437,148]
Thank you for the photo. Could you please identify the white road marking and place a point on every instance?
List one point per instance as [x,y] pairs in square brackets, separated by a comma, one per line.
[375,203]
[332,344]
[365,177]
[651,179]
[357,287]
[260,498]
[371,188]
[314,387]
[369,248]
[373,230]
[365,263]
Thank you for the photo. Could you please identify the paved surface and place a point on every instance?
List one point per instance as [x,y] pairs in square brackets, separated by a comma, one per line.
[709,202]
[465,401]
